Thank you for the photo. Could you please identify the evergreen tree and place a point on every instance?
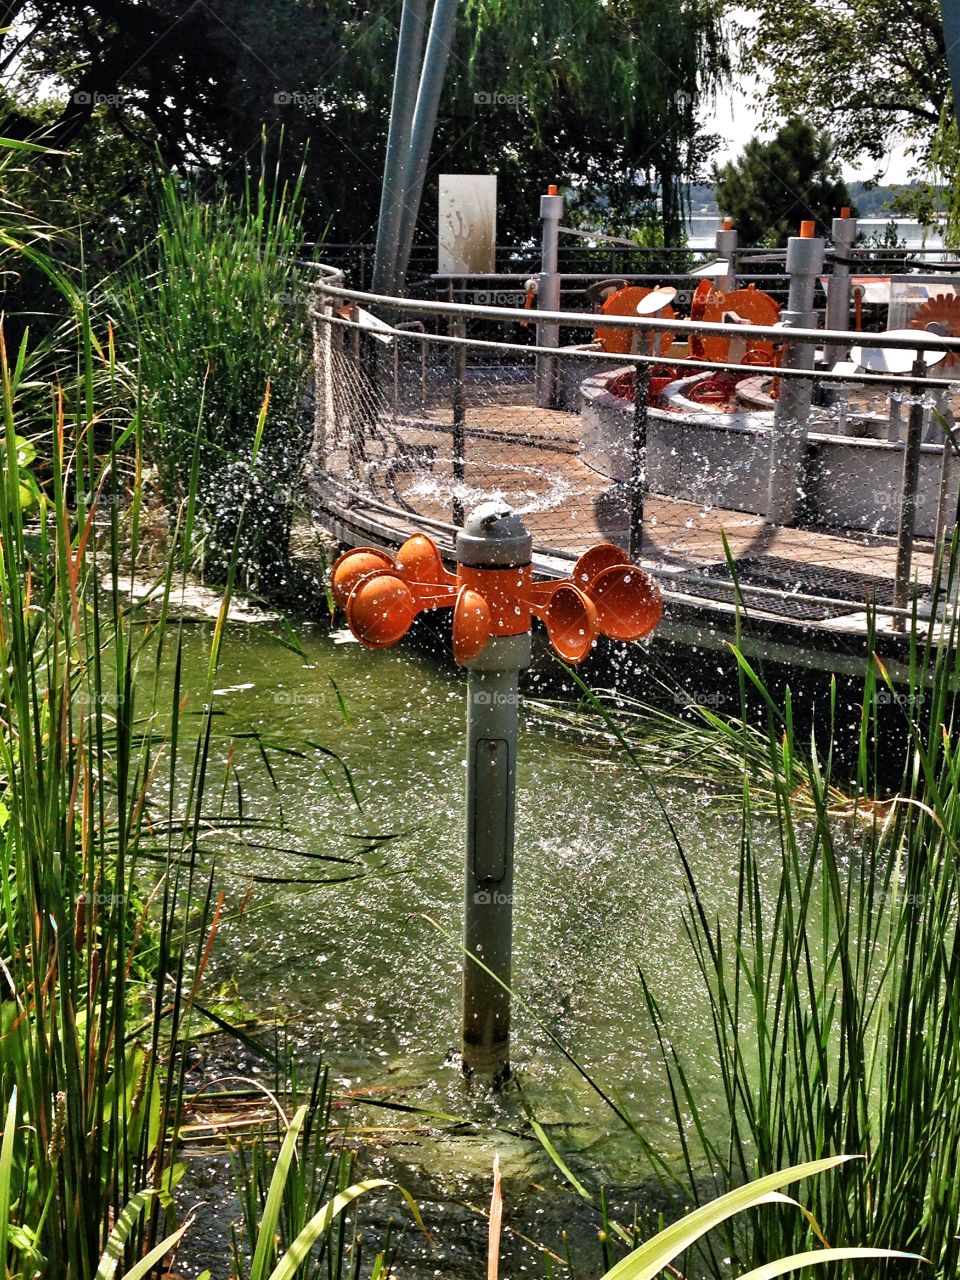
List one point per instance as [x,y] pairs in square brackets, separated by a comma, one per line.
[776,185]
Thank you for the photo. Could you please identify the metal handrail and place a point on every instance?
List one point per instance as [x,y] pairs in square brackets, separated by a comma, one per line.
[642,324]
[679,362]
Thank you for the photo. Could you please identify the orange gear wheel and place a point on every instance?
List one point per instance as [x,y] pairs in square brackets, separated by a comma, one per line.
[624,303]
[943,309]
[709,304]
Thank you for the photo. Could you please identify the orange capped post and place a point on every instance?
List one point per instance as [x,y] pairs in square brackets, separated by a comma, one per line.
[548,294]
[845,211]
[726,241]
[494,601]
[805,255]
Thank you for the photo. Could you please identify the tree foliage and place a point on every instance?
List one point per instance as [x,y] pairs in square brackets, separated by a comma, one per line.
[598,95]
[776,185]
[872,73]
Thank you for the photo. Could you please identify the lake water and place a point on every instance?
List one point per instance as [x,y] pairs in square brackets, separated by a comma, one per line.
[704,227]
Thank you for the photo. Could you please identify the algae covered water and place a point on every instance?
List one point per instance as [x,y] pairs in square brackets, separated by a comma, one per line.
[367,971]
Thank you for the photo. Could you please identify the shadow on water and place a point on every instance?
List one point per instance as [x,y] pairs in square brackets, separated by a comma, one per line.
[358,970]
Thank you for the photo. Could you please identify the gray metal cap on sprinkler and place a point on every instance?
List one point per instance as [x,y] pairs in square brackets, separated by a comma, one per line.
[493,535]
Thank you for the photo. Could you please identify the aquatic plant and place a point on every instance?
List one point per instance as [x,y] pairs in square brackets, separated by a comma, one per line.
[657,1255]
[220,315]
[833,997]
[293,1208]
[111,811]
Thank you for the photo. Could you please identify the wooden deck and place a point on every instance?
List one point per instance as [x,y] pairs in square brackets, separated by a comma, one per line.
[532,457]
[818,580]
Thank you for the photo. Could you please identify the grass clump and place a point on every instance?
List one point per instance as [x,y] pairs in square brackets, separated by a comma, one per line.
[118,785]
[221,315]
[833,996]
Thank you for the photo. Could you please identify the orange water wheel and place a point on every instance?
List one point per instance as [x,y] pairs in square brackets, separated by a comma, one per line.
[752,306]
[624,303]
[942,309]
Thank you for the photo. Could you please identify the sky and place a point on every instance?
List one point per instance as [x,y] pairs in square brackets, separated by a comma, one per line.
[737,118]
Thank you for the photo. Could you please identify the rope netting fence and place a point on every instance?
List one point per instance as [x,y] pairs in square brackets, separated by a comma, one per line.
[425,409]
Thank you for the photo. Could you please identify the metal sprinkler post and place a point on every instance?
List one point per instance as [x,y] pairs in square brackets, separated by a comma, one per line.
[493,545]
[494,600]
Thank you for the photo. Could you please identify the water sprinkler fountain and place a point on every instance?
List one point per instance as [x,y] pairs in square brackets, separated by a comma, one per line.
[494,600]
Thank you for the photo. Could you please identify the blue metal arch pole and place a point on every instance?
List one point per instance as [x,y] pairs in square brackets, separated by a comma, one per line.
[443,28]
[406,78]
[951,38]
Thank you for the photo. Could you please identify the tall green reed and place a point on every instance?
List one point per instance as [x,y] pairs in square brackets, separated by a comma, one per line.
[219,313]
[833,997]
[110,805]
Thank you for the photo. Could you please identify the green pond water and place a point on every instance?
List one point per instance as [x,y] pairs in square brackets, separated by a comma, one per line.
[362,970]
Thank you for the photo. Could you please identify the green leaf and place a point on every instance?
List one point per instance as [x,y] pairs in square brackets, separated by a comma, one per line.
[26,453]
[120,1234]
[147,1263]
[271,1210]
[655,1254]
[6,1171]
[557,1159]
[815,1256]
[322,1220]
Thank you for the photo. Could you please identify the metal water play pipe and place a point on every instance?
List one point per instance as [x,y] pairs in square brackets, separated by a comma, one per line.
[548,294]
[789,435]
[413,24]
[727,250]
[906,527]
[844,232]
[950,10]
[494,542]
[443,26]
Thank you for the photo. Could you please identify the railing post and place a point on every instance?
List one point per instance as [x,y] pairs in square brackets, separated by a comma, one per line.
[548,295]
[638,459]
[493,540]
[458,361]
[323,408]
[844,233]
[946,500]
[908,491]
[789,436]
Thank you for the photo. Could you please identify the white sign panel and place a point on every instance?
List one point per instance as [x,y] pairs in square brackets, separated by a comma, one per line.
[467,240]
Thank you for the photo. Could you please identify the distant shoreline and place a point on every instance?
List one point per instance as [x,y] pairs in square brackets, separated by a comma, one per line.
[702,228]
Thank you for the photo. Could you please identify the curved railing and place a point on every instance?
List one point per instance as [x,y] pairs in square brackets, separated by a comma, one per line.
[423,406]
